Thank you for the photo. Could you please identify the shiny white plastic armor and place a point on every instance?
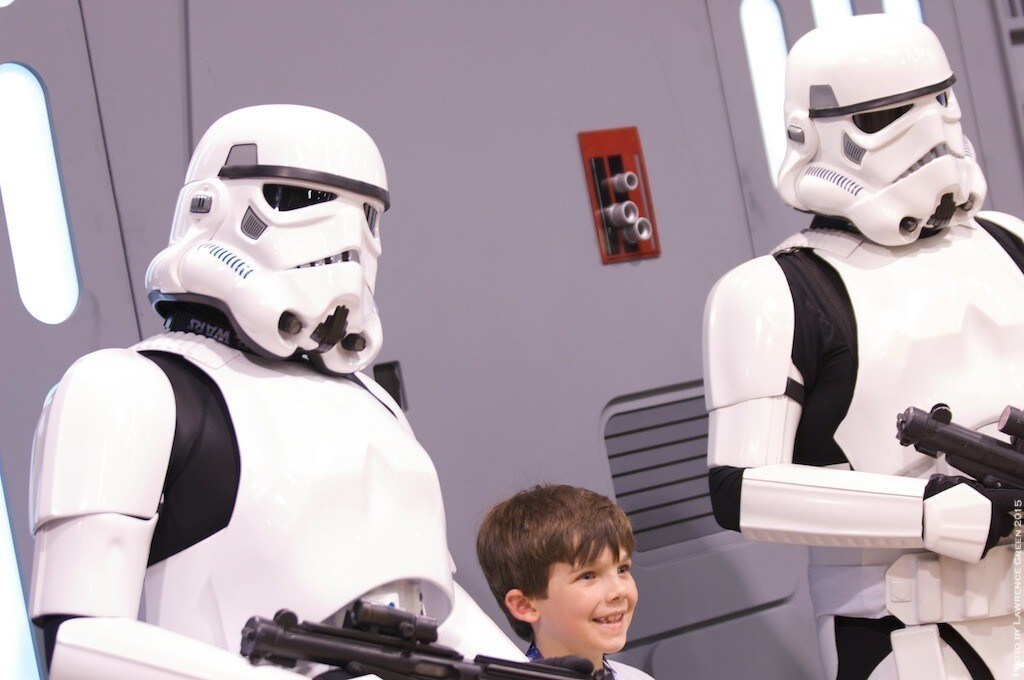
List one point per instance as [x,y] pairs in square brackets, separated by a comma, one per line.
[868,65]
[336,499]
[874,137]
[943,335]
[255,262]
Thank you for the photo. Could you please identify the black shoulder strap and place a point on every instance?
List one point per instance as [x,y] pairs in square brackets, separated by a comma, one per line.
[203,474]
[824,351]
[1009,241]
[833,293]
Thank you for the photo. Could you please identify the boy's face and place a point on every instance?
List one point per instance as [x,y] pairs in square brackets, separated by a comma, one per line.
[588,608]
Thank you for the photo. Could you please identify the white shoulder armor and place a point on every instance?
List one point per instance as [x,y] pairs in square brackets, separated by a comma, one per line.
[748,334]
[104,439]
[1012,224]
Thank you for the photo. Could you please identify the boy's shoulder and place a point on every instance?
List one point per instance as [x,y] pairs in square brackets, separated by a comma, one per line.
[624,672]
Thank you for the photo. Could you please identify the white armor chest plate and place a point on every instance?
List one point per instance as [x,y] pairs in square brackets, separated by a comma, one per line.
[939,320]
[336,497]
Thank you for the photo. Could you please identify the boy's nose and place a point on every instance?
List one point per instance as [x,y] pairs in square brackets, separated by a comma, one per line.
[616,591]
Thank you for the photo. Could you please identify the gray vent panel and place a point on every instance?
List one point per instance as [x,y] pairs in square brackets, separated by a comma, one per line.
[630,421]
[670,514]
[673,492]
[658,460]
[657,436]
[854,152]
[661,456]
[252,226]
[669,535]
[636,482]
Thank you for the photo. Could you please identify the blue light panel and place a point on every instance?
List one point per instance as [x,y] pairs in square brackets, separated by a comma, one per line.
[33,200]
[765,41]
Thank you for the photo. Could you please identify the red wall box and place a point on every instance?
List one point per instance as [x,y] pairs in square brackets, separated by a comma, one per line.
[607,153]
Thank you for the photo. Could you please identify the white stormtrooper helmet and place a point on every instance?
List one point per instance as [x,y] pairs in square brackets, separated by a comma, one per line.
[874,130]
[277,227]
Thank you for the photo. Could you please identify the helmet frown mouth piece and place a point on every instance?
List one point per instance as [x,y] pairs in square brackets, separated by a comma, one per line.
[331,331]
[944,213]
[936,152]
[345,256]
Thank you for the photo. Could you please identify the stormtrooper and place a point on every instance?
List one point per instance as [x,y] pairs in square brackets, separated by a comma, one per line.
[239,463]
[899,294]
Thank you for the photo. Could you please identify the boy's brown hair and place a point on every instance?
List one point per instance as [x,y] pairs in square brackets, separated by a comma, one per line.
[523,537]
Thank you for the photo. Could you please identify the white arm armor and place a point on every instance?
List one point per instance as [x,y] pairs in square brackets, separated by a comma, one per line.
[748,345]
[98,464]
[124,649]
[469,630]
[748,339]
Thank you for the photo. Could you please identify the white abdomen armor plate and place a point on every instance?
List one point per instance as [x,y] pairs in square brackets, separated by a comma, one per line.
[940,320]
[336,497]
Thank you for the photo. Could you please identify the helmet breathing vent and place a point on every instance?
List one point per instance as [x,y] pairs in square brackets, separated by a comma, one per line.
[252,226]
[840,180]
[237,264]
[968,148]
[853,152]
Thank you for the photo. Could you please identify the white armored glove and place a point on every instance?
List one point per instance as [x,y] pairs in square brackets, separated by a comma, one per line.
[964,519]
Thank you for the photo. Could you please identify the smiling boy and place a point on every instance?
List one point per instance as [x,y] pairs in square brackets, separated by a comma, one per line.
[558,559]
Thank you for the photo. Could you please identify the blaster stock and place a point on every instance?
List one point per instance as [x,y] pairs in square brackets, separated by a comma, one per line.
[393,644]
[992,462]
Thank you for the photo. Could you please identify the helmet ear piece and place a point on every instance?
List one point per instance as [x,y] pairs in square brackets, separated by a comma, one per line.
[802,135]
[201,210]
[801,148]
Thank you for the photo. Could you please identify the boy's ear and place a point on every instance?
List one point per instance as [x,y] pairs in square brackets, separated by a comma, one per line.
[520,606]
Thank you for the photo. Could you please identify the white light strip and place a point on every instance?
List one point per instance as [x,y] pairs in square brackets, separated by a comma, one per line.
[910,9]
[17,656]
[33,201]
[5,3]
[765,40]
[827,11]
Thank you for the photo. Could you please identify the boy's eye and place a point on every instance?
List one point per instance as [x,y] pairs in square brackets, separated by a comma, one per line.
[586,576]
[625,568]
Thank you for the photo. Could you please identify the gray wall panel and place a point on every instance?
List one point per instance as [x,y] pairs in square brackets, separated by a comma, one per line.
[48,37]
[748,576]
[999,142]
[142,88]
[769,219]
[512,336]
[768,654]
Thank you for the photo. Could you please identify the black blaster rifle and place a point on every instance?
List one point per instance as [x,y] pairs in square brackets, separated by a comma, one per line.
[388,642]
[992,462]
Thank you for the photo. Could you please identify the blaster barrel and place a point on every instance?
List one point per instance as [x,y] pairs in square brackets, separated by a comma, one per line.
[284,641]
[972,452]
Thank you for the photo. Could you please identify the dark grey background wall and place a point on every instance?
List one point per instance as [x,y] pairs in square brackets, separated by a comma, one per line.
[516,344]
